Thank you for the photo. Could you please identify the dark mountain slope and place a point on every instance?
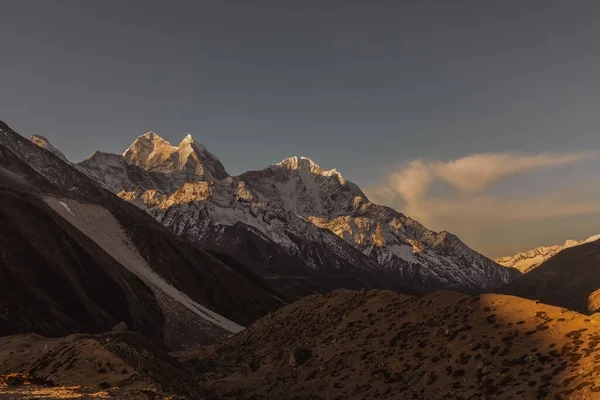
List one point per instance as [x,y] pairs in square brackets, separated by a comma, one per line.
[56,280]
[291,274]
[57,225]
[570,279]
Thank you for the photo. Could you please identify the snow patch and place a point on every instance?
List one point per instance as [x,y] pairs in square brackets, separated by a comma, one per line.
[66,206]
[101,226]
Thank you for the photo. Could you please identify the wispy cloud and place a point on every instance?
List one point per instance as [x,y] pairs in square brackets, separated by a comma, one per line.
[470,207]
[477,172]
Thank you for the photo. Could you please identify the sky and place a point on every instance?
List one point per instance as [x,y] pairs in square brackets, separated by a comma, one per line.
[476,117]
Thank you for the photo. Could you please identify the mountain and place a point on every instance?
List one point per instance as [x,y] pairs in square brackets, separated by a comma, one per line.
[76,258]
[45,144]
[153,153]
[312,219]
[397,243]
[381,345]
[570,279]
[528,260]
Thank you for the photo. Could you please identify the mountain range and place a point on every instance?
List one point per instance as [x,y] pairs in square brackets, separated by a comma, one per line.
[292,219]
[570,279]
[528,260]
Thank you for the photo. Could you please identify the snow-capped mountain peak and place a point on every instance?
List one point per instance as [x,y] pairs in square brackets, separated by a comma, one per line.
[572,243]
[306,164]
[148,151]
[189,140]
[45,144]
[526,261]
[153,153]
[150,135]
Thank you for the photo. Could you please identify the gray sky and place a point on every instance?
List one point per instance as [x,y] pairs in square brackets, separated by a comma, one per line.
[362,86]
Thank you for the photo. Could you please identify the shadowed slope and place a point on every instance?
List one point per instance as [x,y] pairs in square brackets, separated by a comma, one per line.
[570,279]
[56,225]
[527,261]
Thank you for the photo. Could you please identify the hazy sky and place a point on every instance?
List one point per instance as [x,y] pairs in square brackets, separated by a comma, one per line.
[477,117]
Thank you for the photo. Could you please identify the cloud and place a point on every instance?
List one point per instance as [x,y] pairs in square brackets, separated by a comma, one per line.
[470,208]
[471,174]
[413,181]
[477,172]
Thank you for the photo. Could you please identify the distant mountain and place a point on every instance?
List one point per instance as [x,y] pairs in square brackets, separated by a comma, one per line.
[76,258]
[528,260]
[45,144]
[569,279]
[312,218]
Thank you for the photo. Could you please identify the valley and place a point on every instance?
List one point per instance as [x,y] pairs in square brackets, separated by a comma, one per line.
[156,275]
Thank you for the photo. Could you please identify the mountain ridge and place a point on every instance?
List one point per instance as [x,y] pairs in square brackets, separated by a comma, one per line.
[569,279]
[526,261]
[295,203]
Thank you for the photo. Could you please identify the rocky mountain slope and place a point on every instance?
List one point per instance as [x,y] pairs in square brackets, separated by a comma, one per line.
[308,214]
[153,153]
[570,279]
[378,344]
[76,258]
[528,260]
[397,243]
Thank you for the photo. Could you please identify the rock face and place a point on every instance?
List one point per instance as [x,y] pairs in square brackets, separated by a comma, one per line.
[153,153]
[378,344]
[528,260]
[310,215]
[76,258]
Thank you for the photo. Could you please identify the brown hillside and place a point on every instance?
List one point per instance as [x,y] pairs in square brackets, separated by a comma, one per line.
[121,365]
[378,344]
